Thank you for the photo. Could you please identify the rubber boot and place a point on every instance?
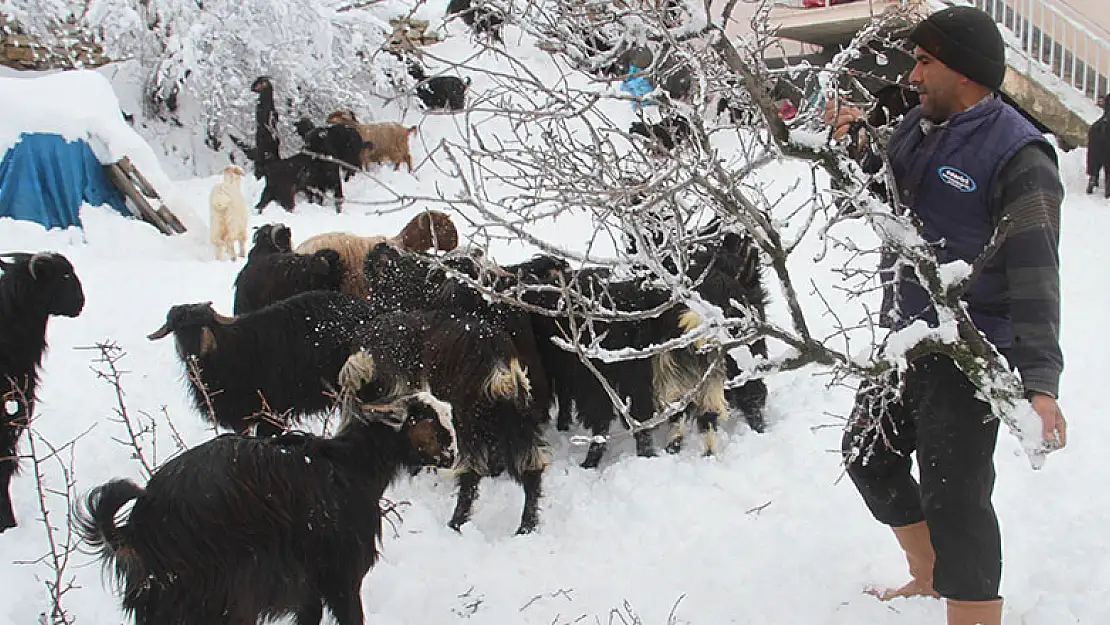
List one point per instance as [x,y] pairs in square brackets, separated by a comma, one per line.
[974,612]
[914,540]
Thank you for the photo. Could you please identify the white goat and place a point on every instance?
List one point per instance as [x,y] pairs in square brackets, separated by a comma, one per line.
[228,215]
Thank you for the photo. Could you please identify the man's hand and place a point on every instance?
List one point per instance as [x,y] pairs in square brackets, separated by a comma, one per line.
[1054,427]
[840,116]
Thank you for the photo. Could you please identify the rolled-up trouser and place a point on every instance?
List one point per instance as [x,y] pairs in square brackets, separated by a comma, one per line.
[939,416]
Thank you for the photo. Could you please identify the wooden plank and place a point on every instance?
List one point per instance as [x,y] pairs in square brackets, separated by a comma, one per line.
[140,181]
[120,182]
[146,212]
[169,223]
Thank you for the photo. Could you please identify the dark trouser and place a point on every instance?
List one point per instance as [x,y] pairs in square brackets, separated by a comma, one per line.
[940,418]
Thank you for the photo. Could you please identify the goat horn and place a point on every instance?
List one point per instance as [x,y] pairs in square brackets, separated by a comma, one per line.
[384,413]
[35,259]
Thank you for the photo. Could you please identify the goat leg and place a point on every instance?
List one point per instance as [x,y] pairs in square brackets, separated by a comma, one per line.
[598,446]
[645,444]
[468,492]
[750,400]
[7,515]
[1092,182]
[267,197]
[311,612]
[677,433]
[566,415]
[707,426]
[346,606]
[8,467]
[530,518]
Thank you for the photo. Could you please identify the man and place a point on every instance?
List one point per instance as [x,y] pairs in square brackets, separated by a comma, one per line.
[962,160]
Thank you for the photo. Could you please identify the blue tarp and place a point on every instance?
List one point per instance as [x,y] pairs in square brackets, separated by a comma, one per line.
[638,86]
[44,178]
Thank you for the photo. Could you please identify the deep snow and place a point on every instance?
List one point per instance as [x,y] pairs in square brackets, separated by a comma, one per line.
[766,532]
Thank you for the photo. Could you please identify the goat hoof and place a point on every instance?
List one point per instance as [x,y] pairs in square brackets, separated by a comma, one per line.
[592,461]
[674,446]
[456,525]
[526,529]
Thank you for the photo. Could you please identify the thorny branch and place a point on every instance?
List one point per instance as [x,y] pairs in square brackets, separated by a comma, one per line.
[567,150]
[62,541]
[142,430]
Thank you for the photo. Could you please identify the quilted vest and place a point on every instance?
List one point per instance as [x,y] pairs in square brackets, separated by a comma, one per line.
[946,179]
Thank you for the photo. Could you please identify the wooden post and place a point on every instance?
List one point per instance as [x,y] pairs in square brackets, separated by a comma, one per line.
[138,189]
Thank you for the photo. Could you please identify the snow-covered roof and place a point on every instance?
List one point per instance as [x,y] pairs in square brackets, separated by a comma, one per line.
[78,104]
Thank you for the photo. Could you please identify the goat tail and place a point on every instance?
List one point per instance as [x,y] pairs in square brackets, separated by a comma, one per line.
[96,525]
[688,321]
[509,382]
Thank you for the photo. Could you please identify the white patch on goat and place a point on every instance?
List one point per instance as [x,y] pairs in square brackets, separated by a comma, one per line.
[443,413]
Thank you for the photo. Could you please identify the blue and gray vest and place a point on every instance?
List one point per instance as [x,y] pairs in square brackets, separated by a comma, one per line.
[945,177]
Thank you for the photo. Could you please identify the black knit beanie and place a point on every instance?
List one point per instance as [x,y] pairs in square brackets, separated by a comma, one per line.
[967,40]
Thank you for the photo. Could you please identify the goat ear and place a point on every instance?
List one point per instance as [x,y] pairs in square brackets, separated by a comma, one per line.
[160,333]
[16,258]
[207,341]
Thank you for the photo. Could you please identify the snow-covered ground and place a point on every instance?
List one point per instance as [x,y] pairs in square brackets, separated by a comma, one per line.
[766,532]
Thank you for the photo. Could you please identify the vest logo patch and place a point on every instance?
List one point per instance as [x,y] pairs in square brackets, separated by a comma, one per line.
[957,179]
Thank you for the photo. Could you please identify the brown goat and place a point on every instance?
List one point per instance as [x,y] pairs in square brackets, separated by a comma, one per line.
[386,141]
[429,229]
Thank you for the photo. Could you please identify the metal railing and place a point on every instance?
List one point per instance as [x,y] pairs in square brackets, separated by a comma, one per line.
[1076,53]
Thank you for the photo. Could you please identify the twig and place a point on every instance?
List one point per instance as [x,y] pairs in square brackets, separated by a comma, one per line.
[61,544]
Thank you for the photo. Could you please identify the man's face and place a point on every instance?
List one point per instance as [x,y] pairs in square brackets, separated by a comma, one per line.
[938,85]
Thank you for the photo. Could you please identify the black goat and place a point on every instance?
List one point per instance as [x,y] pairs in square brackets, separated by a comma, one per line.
[483,20]
[266,141]
[475,367]
[33,288]
[402,281]
[464,344]
[1098,149]
[439,92]
[242,530]
[279,361]
[891,103]
[668,132]
[272,274]
[340,142]
[314,171]
[727,272]
[724,271]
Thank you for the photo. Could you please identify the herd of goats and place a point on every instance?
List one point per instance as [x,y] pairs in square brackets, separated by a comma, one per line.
[431,355]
